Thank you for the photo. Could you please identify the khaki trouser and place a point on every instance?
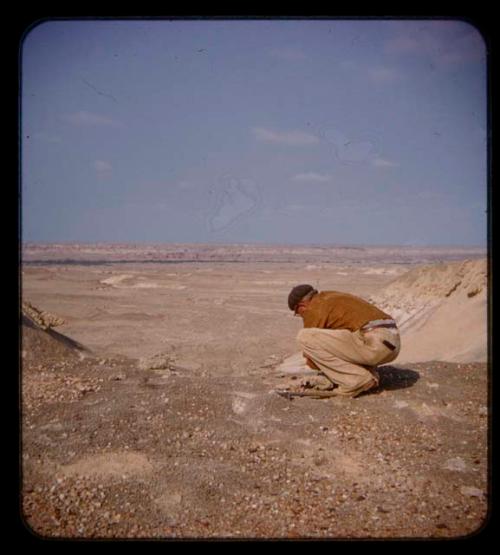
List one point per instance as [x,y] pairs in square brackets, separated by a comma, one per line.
[348,359]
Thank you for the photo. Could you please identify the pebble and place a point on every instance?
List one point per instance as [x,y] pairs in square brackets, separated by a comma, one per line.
[456,463]
[470,491]
[382,509]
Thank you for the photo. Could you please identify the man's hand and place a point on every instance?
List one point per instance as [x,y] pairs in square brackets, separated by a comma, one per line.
[319,382]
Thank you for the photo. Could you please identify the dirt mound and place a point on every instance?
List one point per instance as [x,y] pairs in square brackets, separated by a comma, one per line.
[41,318]
[40,342]
[441,311]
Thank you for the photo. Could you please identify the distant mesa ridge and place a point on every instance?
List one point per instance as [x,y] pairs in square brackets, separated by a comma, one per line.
[90,254]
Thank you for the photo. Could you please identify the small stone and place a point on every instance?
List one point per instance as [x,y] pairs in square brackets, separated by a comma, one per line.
[470,491]
[457,464]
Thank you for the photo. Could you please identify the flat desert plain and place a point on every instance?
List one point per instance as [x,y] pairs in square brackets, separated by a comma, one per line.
[149,407]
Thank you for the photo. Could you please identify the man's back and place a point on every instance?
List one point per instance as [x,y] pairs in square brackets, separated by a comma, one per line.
[337,310]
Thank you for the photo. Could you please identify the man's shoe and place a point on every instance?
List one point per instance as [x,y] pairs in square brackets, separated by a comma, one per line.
[373,384]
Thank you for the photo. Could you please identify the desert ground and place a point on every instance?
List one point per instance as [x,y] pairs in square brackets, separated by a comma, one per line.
[149,405]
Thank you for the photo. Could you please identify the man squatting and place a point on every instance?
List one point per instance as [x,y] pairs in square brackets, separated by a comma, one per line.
[345,338]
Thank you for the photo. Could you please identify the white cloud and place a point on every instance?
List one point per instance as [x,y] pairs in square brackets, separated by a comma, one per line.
[357,148]
[293,138]
[443,43]
[291,54]
[102,167]
[382,74]
[85,119]
[383,163]
[312,176]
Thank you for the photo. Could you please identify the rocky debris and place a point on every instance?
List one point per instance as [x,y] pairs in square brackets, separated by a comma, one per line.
[472,491]
[116,458]
[157,361]
[44,320]
[39,346]
[168,361]
[53,386]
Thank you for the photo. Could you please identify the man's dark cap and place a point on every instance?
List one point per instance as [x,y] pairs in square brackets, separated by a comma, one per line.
[297,294]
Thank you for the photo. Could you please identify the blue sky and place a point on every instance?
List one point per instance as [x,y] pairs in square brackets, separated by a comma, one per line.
[273,131]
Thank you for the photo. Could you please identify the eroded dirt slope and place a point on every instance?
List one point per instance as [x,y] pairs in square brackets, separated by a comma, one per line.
[442,311]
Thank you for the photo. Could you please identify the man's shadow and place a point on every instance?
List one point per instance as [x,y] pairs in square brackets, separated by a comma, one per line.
[393,377]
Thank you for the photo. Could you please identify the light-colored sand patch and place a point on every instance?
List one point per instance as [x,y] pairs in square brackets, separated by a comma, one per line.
[174,286]
[241,401]
[349,464]
[273,282]
[145,285]
[294,365]
[456,464]
[155,285]
[128,281]
[383,271]
[110,465]
[169,502]
[115,280]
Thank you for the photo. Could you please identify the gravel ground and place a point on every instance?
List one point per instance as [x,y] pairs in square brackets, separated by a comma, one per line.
[119,448]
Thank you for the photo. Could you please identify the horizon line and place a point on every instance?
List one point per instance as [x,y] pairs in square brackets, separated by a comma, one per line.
[257,244]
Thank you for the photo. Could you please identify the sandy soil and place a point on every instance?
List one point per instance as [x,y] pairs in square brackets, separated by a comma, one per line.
[159,418]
